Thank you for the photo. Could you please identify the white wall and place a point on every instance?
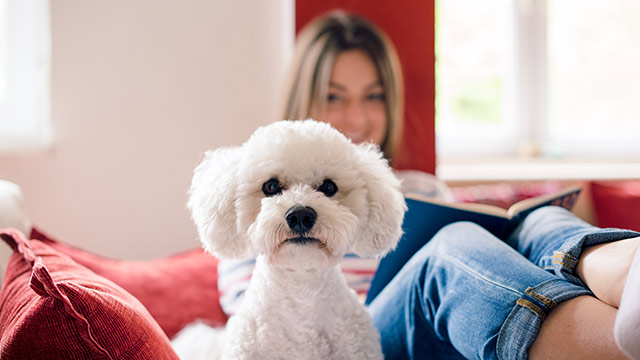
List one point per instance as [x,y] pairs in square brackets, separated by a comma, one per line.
[139,90]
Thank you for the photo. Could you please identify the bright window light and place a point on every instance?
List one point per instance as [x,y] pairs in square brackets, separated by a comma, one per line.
[546,79]
[594,53]
[3,76]
[473,74]
[24,75]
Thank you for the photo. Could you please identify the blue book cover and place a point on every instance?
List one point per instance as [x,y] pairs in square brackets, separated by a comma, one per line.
[425,217]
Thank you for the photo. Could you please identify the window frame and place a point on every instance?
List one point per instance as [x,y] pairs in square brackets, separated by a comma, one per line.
[531,142]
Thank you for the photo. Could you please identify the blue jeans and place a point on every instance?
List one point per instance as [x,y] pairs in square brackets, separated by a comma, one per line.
[467,294]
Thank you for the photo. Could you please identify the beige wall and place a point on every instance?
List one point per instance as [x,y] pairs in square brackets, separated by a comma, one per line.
[139,90]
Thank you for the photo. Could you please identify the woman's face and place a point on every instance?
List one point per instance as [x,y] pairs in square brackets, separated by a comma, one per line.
[355,103]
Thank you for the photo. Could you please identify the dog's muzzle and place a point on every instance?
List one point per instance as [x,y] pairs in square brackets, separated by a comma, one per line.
[301,219]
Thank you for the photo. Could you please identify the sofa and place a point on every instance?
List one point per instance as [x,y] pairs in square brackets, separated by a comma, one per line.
[61,302]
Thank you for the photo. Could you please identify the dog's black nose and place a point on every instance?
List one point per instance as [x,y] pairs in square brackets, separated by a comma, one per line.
[301,219]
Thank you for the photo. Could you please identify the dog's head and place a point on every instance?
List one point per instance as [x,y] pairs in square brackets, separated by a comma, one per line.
[298,192]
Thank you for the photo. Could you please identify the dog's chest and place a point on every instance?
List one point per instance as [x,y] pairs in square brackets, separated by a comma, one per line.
[332,325]
[302,338]
[286,316]
[301,342]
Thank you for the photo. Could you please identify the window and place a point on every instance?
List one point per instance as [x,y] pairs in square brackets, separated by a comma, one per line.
[539,79]
[594,52]
[24,75]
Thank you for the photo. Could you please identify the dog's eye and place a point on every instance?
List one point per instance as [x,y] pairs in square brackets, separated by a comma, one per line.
[328,187]
[272,187]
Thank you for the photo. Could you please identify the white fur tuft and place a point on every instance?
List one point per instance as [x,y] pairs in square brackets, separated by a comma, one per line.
[212,203]
[386,204]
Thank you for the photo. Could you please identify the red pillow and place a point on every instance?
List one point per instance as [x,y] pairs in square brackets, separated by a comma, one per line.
[53,308]
[617,203]
[176,290]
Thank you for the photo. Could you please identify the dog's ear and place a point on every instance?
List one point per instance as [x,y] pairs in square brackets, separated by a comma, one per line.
[386,204]
[212,200]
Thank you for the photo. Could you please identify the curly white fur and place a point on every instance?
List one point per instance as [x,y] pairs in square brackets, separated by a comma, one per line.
[298,305]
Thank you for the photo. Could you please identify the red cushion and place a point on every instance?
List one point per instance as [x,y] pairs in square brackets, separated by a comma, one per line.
[176,290]
[53,308]
[617,203]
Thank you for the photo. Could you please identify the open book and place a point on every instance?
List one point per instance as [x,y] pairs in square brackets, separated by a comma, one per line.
[425,217]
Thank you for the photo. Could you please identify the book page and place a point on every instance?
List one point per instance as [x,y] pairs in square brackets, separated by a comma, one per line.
[546,199]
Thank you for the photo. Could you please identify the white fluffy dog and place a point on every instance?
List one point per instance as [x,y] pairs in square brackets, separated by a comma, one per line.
[299,195]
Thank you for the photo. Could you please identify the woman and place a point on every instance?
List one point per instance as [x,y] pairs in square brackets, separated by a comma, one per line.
[465,294]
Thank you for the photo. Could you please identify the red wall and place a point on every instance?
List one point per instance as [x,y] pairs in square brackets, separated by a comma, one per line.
[410,25]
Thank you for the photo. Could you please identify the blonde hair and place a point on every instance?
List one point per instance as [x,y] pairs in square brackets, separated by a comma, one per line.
[318,45]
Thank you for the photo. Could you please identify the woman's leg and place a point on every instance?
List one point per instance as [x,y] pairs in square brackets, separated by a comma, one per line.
[579,328]
[604,268]
[466,294]
[558,241]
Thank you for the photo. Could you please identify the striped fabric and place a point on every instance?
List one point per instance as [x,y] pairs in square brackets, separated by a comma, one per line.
[233,280]
[359,272]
